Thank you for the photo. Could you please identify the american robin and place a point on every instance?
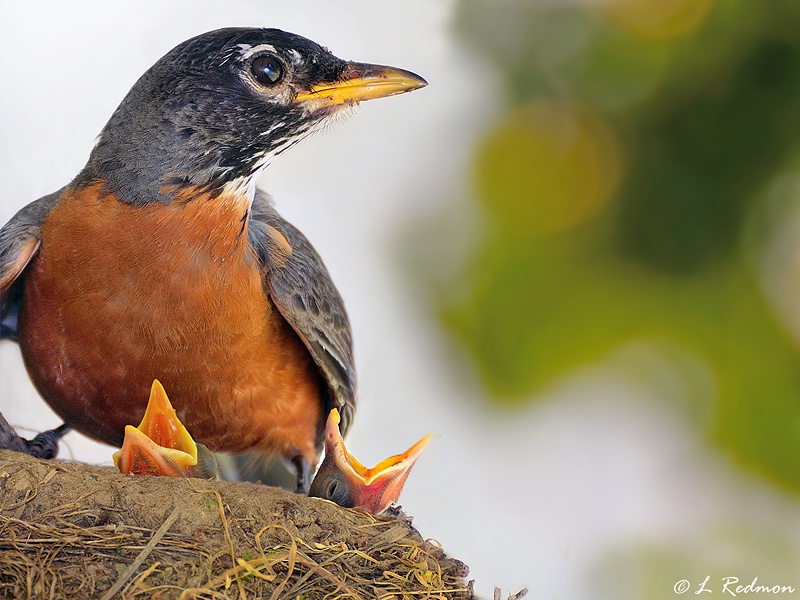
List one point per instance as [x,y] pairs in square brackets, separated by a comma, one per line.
[162,260]
[161,445]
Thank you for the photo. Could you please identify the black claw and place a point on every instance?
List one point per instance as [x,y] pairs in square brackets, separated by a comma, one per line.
[45,445]
[303,468]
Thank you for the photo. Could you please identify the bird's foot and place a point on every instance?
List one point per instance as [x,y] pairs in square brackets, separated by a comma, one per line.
[45,445]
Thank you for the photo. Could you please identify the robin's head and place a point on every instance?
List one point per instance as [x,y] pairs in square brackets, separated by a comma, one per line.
[218,107]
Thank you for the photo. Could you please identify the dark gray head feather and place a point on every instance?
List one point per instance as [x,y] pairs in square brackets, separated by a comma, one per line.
[199,117]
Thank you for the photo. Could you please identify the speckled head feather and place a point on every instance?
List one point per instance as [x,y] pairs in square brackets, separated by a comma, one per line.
[214,110]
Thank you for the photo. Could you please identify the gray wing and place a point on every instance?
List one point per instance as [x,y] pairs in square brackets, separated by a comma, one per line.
[302,290]
[19,240]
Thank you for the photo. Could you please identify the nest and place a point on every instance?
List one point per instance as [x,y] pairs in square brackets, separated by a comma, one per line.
[76,531]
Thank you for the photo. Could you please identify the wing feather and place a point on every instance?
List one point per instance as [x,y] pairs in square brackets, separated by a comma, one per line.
[19,241]
[302,290]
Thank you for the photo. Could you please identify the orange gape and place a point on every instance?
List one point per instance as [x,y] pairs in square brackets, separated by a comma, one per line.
[120,295]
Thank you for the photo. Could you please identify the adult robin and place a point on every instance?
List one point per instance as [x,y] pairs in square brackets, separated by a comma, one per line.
[162,260]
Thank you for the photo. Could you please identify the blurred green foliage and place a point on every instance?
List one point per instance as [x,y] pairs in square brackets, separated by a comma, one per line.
[614,196]
[704,149]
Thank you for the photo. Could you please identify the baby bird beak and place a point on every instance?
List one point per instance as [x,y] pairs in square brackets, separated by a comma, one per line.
[344,480]
[161,445]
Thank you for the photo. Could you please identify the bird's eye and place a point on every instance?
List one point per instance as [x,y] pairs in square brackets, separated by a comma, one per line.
[267,70]
[332,487]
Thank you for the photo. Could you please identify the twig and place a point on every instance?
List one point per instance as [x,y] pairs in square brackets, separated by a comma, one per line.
[142,555]
[518,596]
[228,538]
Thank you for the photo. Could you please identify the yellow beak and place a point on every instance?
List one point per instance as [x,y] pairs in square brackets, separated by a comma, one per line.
[361,81]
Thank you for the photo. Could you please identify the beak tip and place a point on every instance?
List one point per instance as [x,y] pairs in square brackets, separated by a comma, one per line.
[411,81]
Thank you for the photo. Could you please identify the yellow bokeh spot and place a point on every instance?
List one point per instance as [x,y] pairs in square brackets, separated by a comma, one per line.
[548,167]
[660,19]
